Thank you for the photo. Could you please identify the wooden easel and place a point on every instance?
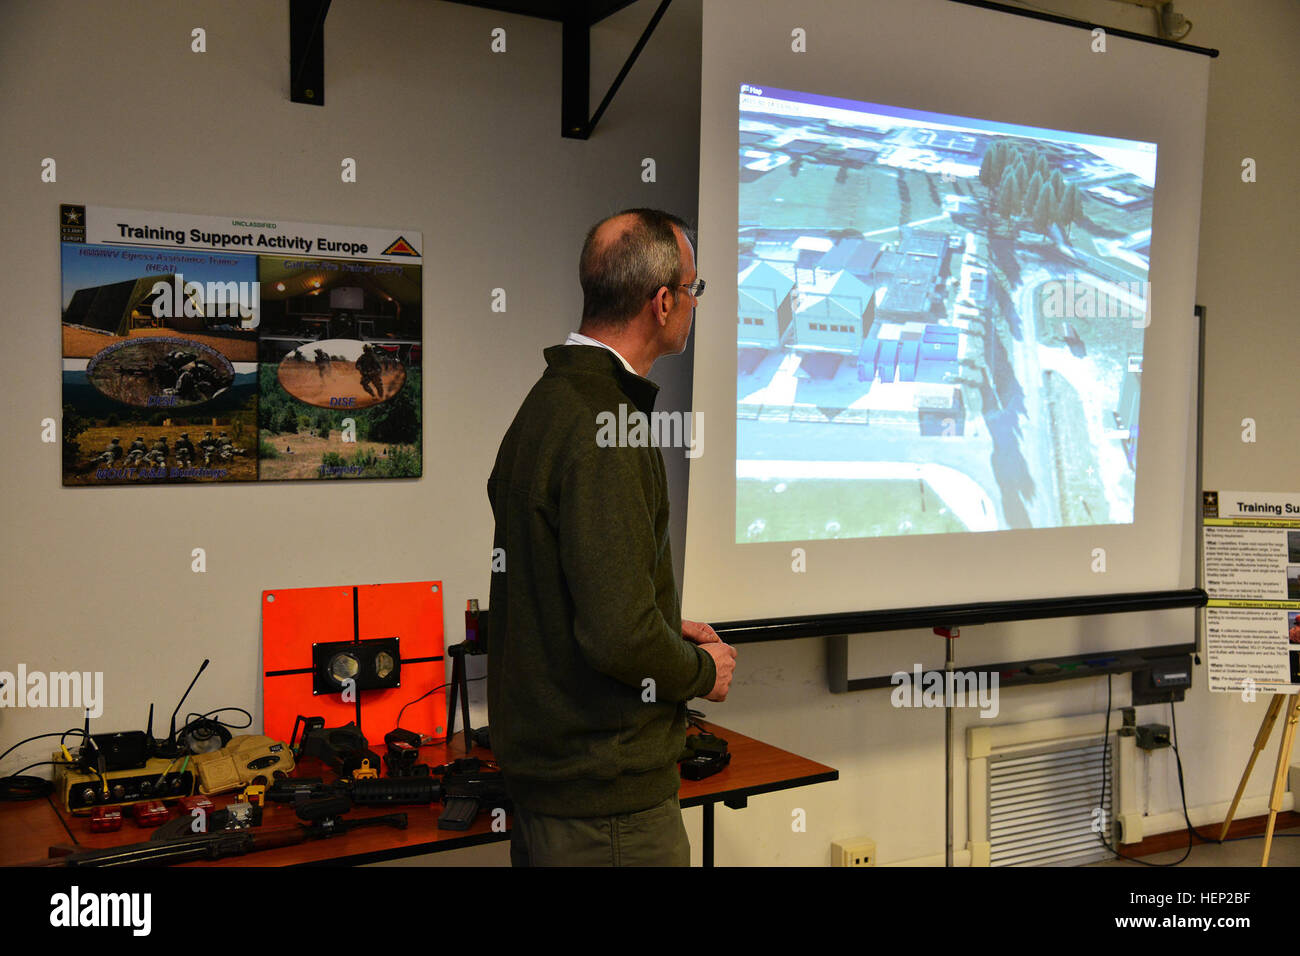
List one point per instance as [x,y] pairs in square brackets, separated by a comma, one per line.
[1283,760]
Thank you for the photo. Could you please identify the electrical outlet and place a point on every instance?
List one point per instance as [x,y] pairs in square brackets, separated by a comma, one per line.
[860,851]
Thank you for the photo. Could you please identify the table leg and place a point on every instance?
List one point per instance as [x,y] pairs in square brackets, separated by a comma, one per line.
[708,834]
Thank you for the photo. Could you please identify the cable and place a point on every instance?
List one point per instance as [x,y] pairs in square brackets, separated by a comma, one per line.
[61,737]
[166,770]
[427,693]
[200,728]
[16,787]
[192,717]
[1105,783]
[418,699]
[1182,788]
[1259,836]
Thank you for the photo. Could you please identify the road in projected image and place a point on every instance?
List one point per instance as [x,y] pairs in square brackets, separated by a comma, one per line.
[940,322]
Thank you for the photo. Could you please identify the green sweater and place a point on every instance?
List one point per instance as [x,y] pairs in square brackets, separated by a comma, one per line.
[586,609]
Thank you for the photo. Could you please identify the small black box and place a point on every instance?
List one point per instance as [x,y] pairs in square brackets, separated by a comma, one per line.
[1163,681]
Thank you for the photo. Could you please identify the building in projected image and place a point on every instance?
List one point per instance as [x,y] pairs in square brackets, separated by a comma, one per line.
[764,312]
[913,277]
[857,257]
[833,314]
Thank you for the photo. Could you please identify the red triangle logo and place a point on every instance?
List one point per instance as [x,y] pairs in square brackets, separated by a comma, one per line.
[400,247]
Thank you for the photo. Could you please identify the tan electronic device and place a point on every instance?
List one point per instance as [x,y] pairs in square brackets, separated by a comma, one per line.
[246,760]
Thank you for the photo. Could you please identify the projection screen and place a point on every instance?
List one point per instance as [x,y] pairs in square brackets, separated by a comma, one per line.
[956,359]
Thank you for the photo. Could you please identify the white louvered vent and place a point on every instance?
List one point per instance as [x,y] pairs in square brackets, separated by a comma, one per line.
[1034,790]
[1042,806]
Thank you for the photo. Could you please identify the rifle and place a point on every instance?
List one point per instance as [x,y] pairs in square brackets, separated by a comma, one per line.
[462,786]
[322,816]
[363,793]
[464,793]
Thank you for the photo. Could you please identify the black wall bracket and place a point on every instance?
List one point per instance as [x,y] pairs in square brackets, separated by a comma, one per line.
[577,17]
[307,51]
[576,79]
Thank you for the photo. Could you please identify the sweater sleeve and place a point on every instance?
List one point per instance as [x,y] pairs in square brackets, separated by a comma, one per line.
[608,555]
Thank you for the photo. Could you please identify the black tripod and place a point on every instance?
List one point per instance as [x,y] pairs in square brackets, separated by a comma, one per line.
[475,643]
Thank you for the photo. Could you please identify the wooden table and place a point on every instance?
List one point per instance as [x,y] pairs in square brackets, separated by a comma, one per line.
[28,829]
[755,768]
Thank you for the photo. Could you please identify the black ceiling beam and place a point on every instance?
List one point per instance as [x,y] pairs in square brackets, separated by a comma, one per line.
[577,20]
[307,51]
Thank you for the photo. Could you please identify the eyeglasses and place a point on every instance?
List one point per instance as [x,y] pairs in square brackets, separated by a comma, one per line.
[695,288]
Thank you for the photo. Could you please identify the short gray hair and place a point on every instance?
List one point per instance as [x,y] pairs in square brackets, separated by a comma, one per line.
[618,277]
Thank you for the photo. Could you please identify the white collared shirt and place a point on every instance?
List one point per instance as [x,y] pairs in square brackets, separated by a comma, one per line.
[577,338]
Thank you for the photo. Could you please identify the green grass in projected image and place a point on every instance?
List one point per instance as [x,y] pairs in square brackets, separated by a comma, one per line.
[816,509]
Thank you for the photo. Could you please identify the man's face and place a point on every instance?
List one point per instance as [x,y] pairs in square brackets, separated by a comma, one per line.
[678,327]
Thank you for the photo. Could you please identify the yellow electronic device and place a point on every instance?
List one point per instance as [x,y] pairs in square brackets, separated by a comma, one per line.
[159,779]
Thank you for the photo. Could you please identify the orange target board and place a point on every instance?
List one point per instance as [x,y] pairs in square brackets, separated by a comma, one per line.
[296,619]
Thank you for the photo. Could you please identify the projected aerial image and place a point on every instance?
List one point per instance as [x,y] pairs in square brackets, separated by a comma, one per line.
[940,321]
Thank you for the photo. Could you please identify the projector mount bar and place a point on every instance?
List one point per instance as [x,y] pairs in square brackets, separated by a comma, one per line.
[1034,14]
[955,615]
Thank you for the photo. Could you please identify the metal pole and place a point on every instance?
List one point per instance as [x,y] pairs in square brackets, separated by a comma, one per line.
[947,746]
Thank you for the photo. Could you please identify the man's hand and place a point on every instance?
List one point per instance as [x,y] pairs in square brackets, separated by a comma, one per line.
[698,633]
[724,662]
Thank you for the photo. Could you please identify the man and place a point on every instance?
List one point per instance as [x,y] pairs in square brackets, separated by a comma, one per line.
[589,663]
[226,449]
[184,450]
[137,451]
[112,453]
[371,372]
[159,453]
[208,445]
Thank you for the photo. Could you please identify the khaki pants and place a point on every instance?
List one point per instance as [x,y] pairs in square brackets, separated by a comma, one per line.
[654,837]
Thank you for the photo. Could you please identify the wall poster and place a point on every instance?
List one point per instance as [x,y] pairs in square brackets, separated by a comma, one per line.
[202,349]
[1252,576]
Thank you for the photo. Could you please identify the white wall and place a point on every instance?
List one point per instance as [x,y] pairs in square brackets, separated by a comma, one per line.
[464,145]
